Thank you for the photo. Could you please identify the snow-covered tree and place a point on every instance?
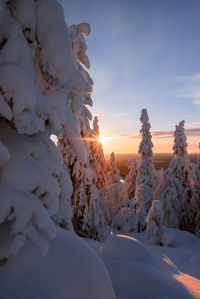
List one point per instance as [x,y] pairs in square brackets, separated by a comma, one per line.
[112,201]
[169,195]
[113,174]
[180,169]
[75,145]
[124,219]
[196,198]
[36,75]
[130,180]
[112,197]
[144,180]
[87,217]
[97,158]
[154,222]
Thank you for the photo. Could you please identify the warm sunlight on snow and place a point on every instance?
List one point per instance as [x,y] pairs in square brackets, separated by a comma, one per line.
[191,283]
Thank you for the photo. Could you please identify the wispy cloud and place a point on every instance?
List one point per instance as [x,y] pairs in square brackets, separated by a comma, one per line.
[120,114]
[191,88]
[197,102]
[192,132]
[192,78]
[192,125]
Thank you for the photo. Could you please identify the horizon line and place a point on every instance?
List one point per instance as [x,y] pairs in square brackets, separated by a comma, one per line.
[135,153]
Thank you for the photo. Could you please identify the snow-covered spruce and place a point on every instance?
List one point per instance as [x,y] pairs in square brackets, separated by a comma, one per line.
[196,198]
[112,201]
[144,180]
[75,145]
[97,158]
[36,72]
[180,169]
[124,219]
[87,217]
[113,174]
[112,195]
[130,180]
[169,194]
[154,222]
[123,209]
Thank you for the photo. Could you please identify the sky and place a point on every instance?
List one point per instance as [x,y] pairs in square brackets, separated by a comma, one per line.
[143,54]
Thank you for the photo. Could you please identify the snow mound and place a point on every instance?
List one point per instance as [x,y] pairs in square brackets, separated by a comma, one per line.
[121,246]
[70,270]
[194,260]
[137,273]
[175,238]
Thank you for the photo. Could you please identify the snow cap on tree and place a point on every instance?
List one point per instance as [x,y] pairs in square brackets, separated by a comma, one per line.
[180,141]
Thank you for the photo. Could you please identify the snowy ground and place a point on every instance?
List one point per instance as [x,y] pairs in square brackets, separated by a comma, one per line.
[74,270]
[141,271]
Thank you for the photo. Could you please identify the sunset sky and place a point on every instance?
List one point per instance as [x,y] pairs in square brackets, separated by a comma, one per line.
[143,54]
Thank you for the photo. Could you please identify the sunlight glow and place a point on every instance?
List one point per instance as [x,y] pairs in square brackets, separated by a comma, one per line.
[102,139]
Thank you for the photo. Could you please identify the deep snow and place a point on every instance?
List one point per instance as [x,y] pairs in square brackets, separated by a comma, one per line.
[74,270]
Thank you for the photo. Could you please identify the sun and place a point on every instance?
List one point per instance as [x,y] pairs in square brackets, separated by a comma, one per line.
[101,139]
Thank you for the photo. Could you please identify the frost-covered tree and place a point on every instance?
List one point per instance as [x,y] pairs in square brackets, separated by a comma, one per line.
[169,195]
[75,144]
[154,222]
[144,180]
[37,74]
[113,174]
[196,198]
[112,200]
[130,180]
[124,219]
[112,197]
[180,169]
[97,158]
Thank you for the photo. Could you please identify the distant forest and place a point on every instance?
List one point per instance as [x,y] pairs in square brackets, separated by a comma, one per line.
[161,160]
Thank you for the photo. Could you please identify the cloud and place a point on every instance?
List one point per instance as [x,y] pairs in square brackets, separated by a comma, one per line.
[192,132]
[192,125]
[120,114]
[190,88]
[192,78]
[196,102]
